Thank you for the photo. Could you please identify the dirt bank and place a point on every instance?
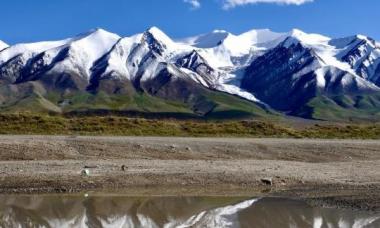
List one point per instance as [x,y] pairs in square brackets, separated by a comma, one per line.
[344,173]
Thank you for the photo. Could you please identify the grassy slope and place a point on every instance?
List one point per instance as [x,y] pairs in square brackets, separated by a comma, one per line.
[136,102]
[225,106]
[343,108]
[113,125]
[230,107]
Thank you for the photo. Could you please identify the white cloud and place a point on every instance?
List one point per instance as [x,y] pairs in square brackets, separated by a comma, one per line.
[228,4]
[195,4]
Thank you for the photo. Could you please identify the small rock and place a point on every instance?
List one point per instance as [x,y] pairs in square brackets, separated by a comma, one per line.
[85,172]
[188,148]
[123,168]
[173,147]
[267,181]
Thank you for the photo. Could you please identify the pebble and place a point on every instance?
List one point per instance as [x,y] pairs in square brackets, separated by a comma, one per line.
[267,181]
[85,172]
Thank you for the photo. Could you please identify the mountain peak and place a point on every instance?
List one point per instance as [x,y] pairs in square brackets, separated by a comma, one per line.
[3,45]
[299,36]
[220,31]
[257,36]
[367,39]
[83,50]
[362,37]
[97,33]
[159,35]
[98,30]
[296,32]
[257,31]
[154,28]
[94,41]
[207,40]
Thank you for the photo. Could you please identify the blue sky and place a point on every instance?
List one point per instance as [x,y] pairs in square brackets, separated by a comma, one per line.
[35,20]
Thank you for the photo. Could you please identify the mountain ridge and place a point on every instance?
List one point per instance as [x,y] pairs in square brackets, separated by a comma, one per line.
[282,71]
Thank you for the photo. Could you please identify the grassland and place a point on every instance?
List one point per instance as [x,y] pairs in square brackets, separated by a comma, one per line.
[25,123]
[343,108]
[210,104]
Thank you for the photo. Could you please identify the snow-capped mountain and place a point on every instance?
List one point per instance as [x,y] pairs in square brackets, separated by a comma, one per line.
[284,71]
[302,66]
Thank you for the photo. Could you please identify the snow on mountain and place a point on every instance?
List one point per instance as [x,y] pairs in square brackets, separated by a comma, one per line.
[224,49]
[23,62]
[161,37]
[362,54]
[117,63]
[254,40]
[301,67]
[140,56]
[3,45]
[357,55]
[30,49]
[15,58]
[199,70]
[228,52]
[310,39]
[219,37]
[84,50]
[208,40]
[321,45]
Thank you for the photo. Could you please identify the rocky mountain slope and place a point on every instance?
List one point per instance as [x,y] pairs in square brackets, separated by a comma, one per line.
[257,73]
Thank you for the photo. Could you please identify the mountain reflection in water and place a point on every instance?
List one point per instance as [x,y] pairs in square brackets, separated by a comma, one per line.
[167,212]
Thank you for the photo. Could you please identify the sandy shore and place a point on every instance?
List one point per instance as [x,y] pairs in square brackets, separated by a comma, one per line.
[340,173]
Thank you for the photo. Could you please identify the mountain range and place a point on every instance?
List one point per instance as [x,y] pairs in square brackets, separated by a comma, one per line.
[259,73]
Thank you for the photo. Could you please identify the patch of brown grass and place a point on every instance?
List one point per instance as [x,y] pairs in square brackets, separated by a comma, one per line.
[25,123]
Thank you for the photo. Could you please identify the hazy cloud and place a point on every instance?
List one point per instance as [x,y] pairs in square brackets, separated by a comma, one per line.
[228,4]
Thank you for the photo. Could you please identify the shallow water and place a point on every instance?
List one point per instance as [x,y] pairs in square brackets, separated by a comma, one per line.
[123,211]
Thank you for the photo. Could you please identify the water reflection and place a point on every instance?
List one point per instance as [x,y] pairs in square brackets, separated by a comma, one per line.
[121,211]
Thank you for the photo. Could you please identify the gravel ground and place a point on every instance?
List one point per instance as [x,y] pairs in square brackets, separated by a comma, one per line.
[339,173]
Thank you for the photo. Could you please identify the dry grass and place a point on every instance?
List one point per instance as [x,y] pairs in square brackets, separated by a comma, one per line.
[124,126]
